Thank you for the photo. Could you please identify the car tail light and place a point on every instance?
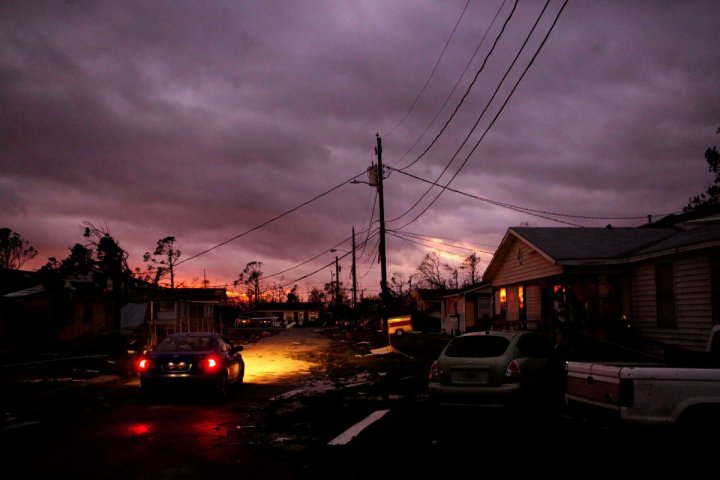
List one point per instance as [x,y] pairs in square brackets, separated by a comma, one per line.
[513,369]
[211,363]
[434,372]
[143,365]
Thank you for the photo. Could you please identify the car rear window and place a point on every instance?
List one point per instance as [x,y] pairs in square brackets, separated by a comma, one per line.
[185,344]
[477,346]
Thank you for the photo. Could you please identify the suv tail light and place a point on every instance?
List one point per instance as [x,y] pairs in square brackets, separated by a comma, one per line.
[434,372]
[512,370]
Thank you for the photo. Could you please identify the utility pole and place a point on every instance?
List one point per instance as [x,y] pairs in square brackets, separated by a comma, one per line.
[354,277]
[337,287]
[381,248]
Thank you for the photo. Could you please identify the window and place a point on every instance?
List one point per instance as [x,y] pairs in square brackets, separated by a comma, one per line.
[477,346]
[665,294]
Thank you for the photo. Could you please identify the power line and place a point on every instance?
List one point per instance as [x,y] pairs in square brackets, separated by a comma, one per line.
[397,235]
[477,122]
[502,107]
[433,237]
[431,73]
[452,91]
[277,217]
[405,234]
[532,211]
[467,91]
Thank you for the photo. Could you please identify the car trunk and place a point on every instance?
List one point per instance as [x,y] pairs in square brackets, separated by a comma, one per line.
[177,362]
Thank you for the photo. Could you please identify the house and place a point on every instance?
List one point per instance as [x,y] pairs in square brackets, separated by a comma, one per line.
[186,310]
[300,313]
[663,281]
[467,310]
[428,301]
[40,309]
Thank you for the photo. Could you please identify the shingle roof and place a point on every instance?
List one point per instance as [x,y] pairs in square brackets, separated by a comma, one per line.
[694,234]
[574,244]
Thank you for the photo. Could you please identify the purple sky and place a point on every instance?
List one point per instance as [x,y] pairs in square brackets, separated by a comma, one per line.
[203,120]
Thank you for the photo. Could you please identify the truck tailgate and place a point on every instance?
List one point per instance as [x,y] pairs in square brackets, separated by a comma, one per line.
[593,383]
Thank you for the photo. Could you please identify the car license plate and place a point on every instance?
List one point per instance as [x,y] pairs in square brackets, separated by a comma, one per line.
[470,375]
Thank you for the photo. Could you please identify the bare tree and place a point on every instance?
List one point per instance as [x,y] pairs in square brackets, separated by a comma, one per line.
[471,266]
[251,277]
[111,258]
[15,251]
[397,285]
[454,272]
[165,257]
[430,272]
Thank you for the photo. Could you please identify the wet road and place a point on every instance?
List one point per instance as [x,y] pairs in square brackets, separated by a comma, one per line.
[103,428]
[281,423]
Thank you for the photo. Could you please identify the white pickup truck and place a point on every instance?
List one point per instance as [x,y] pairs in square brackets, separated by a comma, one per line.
[687,393]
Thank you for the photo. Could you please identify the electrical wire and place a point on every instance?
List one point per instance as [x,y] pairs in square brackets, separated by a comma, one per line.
[482,114]
[467,91]
[452,91]
[502,107]
[267,222]
[431,73]
[531,211]
[404,234]
[434,237]
[394,234]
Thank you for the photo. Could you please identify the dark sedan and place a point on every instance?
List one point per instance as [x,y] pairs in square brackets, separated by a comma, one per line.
[203,360]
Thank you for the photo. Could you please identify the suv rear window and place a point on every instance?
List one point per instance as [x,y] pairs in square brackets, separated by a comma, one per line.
[477,346]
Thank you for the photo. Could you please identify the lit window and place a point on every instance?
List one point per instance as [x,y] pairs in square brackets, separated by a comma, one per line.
[521,296]
[503,297]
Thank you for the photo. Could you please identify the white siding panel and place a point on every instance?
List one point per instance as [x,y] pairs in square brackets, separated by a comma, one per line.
[644,313]
[692,300]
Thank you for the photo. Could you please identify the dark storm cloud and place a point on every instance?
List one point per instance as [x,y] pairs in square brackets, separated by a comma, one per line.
[204,120]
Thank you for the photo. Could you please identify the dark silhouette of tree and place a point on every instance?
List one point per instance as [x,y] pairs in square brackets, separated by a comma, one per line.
[454,272]
[80,260]
[317,296]
[101,252]
[430,272]
[712,193]
[251,277]
[400,288]
[165,257]
[292,296]
[15,251]
[471,267]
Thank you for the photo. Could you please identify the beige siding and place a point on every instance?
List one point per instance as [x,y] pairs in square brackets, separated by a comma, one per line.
[513,305]
[470,312]
[520,266]
[533,305]
[692,298]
